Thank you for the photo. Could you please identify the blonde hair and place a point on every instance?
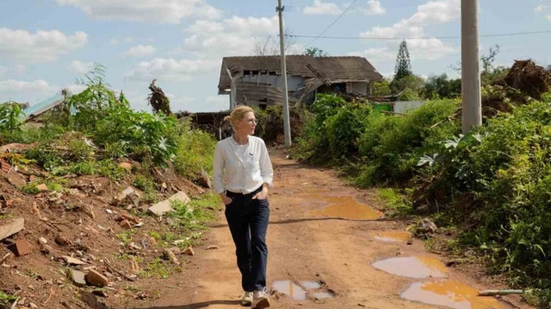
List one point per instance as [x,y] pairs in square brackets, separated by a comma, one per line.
[237,114]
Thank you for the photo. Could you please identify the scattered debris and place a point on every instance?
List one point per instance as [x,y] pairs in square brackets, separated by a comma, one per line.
[127,166]
[169,255]
[46,249]
[426,226]
[128,195]
[189,251]
[77,277]
[135,266]
[96,279]
[42,188]
[163,207]
[72,261]
[16,147]
[42,240]
[5,258]
[100,293]
[125,224]
[21,247]
[205,180]
[11,228]
[212,247]
[91,300]
[60,240]
[128,218]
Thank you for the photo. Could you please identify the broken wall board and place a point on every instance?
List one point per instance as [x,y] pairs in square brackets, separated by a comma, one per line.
[11,228]
[165,206]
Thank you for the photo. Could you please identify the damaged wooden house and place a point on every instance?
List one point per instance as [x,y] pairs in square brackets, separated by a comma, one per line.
[257,81]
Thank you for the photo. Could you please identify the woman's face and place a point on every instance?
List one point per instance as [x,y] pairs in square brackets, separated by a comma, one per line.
[247,124]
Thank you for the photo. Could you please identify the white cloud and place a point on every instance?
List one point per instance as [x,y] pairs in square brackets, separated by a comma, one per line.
[321,8]
[374,7]
[376,54]
[128,40]
[78,67]
[432,12]
[232,36]
[3,70]
[548,17]
[25,91]
[205,26]
[540,8]
[140,51]
[76,89]
[172,70]
[42,46]
[152,11]
[114,41]
[429,49]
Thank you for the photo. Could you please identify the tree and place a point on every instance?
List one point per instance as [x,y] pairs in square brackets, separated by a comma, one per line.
[403,64]
[412,82]
[269,46]
[158,100]
[315,52]
[440,87]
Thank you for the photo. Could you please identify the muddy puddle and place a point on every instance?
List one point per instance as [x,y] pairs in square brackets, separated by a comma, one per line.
[300,292]
[290,289]
[450,294]
[413,267]
[348,208]
[392,236]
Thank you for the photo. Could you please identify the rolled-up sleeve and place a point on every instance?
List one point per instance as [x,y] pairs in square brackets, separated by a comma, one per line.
[266,169]
[218,168]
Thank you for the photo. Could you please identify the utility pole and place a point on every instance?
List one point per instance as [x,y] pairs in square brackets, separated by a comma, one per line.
[470,67]
[286,121]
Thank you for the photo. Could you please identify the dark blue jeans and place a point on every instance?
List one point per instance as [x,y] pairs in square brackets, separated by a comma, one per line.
[248,222]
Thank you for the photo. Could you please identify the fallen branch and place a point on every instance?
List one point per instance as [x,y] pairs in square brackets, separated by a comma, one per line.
[449,118]
[114,270]
[500,292]
[5,258]
[49,297]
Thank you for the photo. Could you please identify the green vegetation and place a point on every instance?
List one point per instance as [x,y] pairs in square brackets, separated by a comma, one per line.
[489,189]
[96,127]
[6,299]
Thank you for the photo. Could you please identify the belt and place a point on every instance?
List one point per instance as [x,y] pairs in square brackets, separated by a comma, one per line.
[234,194]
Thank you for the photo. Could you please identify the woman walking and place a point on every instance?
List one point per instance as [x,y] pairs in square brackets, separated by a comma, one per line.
[248,174]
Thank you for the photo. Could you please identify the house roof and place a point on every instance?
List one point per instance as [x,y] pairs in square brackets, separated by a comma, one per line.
[337,69]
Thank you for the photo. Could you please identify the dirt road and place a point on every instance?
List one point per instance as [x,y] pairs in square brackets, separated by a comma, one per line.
[323,236]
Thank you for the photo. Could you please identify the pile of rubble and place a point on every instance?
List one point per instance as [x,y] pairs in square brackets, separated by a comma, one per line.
[55,245]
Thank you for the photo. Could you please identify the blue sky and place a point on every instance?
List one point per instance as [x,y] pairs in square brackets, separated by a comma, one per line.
[46,44]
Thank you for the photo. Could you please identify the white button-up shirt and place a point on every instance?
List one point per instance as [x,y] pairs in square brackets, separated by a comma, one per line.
[246,167]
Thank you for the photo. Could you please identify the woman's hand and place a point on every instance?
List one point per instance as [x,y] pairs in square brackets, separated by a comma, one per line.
[225,199]
[262,195]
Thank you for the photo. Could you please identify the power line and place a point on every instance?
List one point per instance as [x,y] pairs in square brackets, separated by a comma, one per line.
[331,25]
[414,38]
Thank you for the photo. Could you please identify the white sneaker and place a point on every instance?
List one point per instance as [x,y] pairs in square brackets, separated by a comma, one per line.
[247,299]
[260,300]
